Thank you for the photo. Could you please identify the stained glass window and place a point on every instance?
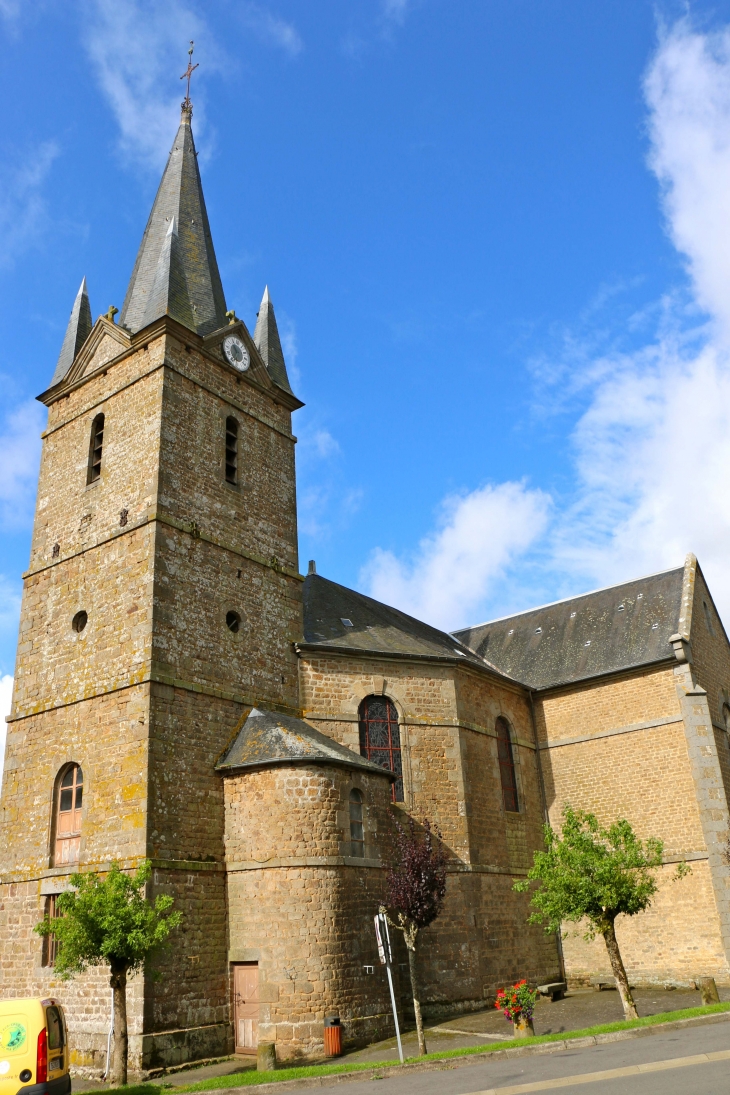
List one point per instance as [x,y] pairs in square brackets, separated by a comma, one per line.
[380,738]
[506,766]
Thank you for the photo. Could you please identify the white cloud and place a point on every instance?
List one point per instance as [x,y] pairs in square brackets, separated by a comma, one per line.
[687,89]
[138,48]
[455,568]
[395,11]
[23,206]
[271,28]
[6,693]
[20,447]
[653,448]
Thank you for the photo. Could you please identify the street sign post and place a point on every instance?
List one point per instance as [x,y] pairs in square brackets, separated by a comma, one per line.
[385,954]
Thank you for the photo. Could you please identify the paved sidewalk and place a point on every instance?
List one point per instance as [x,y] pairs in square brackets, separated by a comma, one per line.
[580,1009]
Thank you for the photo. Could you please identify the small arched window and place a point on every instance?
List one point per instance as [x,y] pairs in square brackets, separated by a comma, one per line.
[506,766]
[95,448]
[68,816]
[231,450]
[357,832]
[380,738]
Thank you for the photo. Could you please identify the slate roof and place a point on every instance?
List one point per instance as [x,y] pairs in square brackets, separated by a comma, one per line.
[375,627]
[267,738]
[78,330]
[267,342]
[622,627]
[177,277]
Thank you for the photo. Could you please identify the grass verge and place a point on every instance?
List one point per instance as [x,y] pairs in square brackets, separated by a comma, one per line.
[251,1078]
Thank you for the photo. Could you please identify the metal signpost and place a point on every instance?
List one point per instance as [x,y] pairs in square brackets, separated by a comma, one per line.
[386,957]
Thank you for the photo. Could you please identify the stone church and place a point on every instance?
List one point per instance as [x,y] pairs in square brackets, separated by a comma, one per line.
[184,693]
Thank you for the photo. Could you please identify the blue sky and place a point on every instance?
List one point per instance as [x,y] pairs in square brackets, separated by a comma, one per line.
[497,237]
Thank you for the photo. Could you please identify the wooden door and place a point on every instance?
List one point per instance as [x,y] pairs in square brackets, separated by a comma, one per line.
[246,1007]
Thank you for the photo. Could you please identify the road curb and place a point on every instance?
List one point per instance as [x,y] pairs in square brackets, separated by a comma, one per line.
[474,1058]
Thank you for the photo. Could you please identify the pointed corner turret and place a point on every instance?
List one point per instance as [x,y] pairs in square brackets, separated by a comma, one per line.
[78,330]
[186,252]
[267,342]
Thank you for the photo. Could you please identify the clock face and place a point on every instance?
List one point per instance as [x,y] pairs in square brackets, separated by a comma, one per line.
[236,353]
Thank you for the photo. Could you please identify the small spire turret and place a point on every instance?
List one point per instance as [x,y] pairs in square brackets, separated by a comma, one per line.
[78,330]
[267,342]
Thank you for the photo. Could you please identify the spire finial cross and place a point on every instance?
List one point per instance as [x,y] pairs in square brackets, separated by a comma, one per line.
[187,105]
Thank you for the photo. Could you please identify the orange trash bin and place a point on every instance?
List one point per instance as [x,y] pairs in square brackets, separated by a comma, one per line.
[332,1036]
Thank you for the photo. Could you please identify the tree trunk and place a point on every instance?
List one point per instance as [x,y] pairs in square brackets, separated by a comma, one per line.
[622,981]
[118,982]
[416,1002]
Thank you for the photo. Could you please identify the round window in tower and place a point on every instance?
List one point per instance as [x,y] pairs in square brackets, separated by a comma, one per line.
[80,621]
[233,621]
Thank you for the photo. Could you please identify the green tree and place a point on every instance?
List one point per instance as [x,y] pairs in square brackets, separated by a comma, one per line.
[110,921]
[594,874]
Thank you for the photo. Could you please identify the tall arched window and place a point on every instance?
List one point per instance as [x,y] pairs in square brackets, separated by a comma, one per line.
[231,450]
[68,816]
[95,448]
[726,716]
[380,738]
[357,832]
[506,765]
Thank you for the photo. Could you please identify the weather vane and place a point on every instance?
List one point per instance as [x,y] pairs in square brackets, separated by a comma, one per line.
[187,105]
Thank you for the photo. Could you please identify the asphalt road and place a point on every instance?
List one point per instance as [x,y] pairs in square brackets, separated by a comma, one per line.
[665,1070]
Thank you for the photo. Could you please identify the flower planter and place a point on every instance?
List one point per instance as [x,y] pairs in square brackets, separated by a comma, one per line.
[523,1028]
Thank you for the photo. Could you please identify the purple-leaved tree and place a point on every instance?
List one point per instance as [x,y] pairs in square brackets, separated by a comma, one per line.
[416,889]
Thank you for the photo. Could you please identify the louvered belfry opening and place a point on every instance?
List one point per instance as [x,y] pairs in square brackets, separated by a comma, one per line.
[380,738]
[231,450]
[95,448]
[507,766]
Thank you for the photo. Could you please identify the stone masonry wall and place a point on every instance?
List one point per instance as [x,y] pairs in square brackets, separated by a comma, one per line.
[641,773]
[447,717]
[299,904]
[150,693]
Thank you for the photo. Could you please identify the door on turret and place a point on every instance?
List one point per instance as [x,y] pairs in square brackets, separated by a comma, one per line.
[246,1006]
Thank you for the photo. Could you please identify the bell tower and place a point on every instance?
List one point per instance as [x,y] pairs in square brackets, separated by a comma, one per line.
[160,605]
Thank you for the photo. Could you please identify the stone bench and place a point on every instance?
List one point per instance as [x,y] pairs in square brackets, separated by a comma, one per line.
[556,990]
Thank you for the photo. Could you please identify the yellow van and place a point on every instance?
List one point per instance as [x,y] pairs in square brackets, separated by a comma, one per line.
[33,1048]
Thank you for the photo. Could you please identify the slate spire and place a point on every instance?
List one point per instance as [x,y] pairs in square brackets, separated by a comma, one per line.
[79,326]
[268,343]
[193,294]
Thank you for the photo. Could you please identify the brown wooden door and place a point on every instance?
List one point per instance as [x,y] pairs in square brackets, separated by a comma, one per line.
[246,1007]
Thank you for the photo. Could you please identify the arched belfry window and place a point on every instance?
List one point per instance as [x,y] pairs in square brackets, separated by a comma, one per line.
[357,832]
[231,450]
[380,738]
[69,797]
[506,765]
[96,446]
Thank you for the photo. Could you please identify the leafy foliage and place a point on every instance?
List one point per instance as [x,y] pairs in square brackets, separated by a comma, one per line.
[108,921]
[517,1002]
[593,873]
[417,882]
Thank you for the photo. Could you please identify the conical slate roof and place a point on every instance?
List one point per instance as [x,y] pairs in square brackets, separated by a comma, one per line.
[177,277]
[79,326]
[268,343]
[267,738]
